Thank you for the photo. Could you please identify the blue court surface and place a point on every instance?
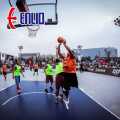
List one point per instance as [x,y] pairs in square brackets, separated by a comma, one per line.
[34,104]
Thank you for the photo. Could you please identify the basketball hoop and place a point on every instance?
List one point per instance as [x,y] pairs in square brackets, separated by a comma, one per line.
[33,30]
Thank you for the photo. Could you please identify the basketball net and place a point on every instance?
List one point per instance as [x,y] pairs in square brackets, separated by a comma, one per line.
[33,30]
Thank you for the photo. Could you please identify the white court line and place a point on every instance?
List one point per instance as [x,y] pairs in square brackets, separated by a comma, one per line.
[100,104]
[6,87]
[34,93]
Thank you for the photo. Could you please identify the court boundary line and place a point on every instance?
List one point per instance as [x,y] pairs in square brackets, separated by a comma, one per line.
[6,87]
[100,104]
[34,93]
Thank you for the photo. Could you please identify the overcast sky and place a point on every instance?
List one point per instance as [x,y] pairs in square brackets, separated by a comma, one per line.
[85,22]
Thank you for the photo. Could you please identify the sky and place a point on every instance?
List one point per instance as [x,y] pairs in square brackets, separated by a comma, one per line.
[81,22]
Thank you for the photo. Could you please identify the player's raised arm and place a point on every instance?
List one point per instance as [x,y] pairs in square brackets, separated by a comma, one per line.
[69,50]
[45,68]
[60,54]
[56,52]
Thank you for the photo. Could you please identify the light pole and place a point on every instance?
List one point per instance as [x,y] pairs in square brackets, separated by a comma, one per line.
[80,47]
[20,47]
[99,54]
[117,21]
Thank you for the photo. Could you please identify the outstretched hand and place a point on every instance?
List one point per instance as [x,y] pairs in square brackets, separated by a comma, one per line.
[56,47]
[59,44]
[64,42]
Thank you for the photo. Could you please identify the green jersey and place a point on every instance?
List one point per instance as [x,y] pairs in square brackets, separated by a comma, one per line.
[17,72]
[59,68]
[48,70]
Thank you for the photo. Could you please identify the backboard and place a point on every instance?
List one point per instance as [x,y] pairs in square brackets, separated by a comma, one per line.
[48,7]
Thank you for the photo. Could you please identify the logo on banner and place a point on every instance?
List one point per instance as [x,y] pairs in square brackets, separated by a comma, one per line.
[26,18]
[116,71]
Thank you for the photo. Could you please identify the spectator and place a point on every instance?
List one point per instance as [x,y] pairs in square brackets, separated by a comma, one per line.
[81,67]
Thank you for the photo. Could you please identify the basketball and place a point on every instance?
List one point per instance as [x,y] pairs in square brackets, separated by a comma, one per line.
[60,39]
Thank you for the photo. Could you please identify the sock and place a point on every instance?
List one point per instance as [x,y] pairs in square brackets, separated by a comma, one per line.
[56,97]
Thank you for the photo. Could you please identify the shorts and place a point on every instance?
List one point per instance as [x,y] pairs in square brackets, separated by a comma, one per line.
[4,73]
[36,70]
[59,82]
[17,79]
[49,77]
[70,80]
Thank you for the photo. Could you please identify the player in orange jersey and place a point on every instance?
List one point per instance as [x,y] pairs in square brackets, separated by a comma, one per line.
[35,68]
[69,69]
[4,70]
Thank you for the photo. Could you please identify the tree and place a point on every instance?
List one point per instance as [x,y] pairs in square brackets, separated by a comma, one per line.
[51,58]
[0,63]
[36,60]
[96,57]
[40,61]
[87,58]
[77,59]
[107,59]
[44,60]
[47,58]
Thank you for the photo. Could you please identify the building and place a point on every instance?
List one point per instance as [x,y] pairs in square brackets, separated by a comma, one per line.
[9,59]
[28,55]
[100,52]
[48,56]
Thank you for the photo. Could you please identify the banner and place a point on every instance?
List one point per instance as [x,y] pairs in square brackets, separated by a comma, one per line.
[101,61]
[106,71]
[26,65]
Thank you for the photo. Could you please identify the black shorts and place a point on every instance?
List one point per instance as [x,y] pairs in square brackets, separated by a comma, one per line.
[4,73]
[36,70]
[70,80]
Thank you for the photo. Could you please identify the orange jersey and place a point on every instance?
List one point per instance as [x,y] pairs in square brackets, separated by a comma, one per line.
[4,68]
[69,65]
[36,66]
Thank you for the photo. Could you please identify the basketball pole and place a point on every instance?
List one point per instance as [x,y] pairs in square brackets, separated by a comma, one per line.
[20,47]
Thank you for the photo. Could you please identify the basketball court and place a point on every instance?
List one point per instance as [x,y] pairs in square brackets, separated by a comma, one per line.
[34,103]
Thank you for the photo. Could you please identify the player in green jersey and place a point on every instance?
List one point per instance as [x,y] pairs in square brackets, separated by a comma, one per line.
[16,74]
[59,80]
[49,75]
